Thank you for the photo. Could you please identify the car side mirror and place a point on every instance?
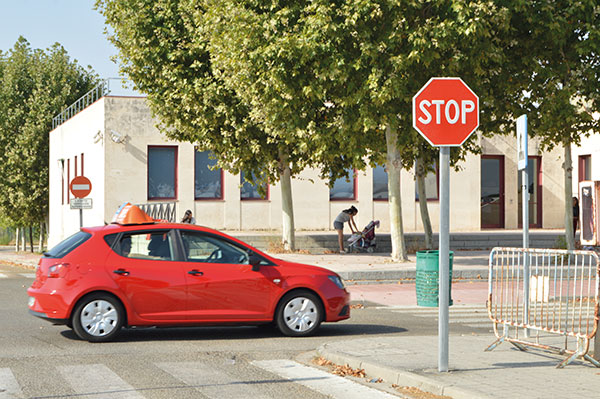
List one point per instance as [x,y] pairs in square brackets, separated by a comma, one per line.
[254,260]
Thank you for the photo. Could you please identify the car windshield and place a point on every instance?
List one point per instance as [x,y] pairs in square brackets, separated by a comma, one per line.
[67,245]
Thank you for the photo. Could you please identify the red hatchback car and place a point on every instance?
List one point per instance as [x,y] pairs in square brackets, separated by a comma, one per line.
[167,274]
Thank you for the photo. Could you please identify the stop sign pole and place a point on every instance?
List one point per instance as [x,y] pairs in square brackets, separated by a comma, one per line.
[445,113]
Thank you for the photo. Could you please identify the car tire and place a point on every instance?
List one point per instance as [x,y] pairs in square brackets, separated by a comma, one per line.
[98,318]
[299,314]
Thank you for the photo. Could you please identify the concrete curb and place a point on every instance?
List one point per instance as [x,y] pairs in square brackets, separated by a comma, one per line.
[399,377]
[409,274]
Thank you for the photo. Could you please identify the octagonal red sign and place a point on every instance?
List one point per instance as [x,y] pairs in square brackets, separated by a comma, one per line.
[445,112]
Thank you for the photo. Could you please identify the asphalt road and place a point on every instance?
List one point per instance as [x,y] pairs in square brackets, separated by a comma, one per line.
[39,360]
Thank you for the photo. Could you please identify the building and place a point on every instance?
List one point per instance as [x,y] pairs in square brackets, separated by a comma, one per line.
[114,142]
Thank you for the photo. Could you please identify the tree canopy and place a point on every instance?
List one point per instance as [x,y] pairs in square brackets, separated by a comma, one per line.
[35,86]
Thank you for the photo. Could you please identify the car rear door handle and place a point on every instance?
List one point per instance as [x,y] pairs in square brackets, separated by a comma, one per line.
[196,272]
[122,272]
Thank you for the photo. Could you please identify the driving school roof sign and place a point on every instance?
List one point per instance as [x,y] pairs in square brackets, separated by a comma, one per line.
[445,112]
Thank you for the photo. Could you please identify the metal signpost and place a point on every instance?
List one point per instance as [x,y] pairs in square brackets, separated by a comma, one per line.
[522,163]
[445,113]
[80,187]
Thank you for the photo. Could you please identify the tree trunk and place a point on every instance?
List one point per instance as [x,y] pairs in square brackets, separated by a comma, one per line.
[23,239]
[31,238]
[568,168]
[287,204]
[41,239]
[420,173]
[17,242]
[394,166]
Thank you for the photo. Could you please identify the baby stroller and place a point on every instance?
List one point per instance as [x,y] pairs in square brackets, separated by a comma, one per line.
[364,241]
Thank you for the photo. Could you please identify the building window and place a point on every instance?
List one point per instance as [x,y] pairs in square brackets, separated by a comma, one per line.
[208,182]
[585,167]
[249,191]
[162,172]
[432,180]
[344,188]
[380,183]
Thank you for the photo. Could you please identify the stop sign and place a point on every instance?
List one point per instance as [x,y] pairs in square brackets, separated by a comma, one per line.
[80,186]
[445,111]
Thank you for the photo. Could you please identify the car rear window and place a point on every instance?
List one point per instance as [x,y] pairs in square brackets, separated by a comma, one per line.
[67,245]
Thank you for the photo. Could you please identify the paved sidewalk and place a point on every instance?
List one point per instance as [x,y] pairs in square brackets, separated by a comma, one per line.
[474,374]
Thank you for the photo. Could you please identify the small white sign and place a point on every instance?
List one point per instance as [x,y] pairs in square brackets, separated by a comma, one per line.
[522,142]
[81,203]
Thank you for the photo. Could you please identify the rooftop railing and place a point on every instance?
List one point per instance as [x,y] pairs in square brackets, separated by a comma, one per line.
[104,88]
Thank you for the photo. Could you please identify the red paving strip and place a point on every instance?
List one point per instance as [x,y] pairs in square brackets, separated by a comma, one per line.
[464,293]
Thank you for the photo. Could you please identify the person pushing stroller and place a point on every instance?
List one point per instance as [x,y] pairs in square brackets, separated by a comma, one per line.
[347,215]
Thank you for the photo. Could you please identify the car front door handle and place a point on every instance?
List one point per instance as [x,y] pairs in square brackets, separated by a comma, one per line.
[122,272]
[196,272]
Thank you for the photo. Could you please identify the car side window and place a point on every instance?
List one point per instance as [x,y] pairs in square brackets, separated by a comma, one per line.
[210,249]
[153,245]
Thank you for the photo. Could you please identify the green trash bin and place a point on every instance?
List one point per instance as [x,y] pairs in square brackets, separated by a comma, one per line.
[427,282]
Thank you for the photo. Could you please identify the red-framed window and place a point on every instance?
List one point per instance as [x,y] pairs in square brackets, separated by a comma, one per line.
[82,174]
[208,182]
[492,191]
[432,185]
[68,180]
[380,183]
[249,191]
[534,176]
[344,188]
[162,172]
[585,167]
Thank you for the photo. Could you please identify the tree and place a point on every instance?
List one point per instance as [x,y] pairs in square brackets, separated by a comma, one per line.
[232,78]
[382,52]
[561,58]
[36,85]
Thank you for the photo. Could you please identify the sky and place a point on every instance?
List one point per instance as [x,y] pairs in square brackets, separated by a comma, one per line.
[72,23]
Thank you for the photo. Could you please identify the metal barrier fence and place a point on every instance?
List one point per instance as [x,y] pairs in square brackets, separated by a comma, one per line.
[160,210]
[550,293]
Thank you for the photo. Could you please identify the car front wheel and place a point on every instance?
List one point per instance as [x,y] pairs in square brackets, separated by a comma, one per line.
[98,318]
[299,314]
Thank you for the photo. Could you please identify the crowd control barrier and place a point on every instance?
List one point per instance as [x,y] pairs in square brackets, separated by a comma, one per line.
[544,298]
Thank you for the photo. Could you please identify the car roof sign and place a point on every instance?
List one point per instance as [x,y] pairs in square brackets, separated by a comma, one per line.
[131,214]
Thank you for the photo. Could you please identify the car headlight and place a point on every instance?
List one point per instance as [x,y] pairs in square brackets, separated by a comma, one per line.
[337,281]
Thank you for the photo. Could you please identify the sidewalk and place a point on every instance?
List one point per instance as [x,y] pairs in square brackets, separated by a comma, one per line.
[474,374]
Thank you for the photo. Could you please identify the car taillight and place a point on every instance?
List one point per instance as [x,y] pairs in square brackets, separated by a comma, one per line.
[57,271]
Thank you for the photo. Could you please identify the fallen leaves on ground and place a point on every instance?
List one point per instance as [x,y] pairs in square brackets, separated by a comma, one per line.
[357,306]
[342,371]
[417,393]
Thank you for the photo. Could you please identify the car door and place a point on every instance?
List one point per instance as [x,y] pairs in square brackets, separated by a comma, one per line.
[145,267]
[221,283]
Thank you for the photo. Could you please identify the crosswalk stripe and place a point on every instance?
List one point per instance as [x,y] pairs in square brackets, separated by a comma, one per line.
[320,381]
[210,382]
[9,387]
[97,380]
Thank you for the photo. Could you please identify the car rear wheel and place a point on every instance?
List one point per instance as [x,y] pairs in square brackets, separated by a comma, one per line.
[98,318]
[299,314]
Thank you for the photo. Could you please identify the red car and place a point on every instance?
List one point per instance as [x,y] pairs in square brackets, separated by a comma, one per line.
[167,274]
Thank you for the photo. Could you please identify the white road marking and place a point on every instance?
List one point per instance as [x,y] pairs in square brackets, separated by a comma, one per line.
[321,381]
[210,382]
[97,381]
[27,275]
[3,275]
[9,387]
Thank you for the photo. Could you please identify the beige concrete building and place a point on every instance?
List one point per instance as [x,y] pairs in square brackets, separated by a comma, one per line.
[115,144]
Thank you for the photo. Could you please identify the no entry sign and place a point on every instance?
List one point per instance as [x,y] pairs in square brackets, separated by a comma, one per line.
[445,112]
[80,186]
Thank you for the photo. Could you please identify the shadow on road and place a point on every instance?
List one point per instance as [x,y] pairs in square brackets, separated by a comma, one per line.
[235,333]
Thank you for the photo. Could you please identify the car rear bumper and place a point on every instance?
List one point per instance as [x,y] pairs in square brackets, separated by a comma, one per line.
[50,319]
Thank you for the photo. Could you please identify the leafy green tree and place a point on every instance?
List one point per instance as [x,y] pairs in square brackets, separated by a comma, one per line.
[232,78]
[382,52]
[36,85]
[561,58]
